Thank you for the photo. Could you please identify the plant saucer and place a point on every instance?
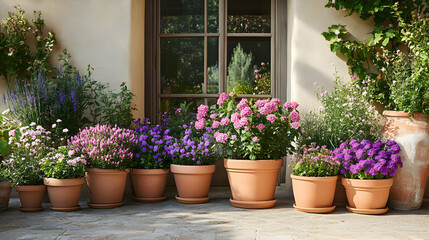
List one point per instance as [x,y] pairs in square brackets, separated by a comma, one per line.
[149,200]
[192,200]
[314,210]
[368,211]
[253,204]
[22,209]
[105,205]
[69,209]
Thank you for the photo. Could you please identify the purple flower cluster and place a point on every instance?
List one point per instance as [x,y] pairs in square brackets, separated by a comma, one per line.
[193,149]
[369,160]
[152,146]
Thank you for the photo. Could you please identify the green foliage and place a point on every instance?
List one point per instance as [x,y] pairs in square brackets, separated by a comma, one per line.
[240,71]
[175,120]
[262,79]
[62,163]
[399,25]
[6,126]
[17,59]
[315,161]
[346,114]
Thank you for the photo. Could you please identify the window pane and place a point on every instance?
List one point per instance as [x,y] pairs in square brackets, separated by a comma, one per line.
[172,104]
[182,65]
[213,65]
[249,16]
[182,16]
[213,16]
[248,65]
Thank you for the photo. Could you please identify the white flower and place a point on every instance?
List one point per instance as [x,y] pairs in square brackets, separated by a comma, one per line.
[54,125]
[59,120]
[383,69]
[32,124]
[337,32]
[65,130]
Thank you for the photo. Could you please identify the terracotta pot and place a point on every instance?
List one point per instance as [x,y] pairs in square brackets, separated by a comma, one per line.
[192,182]
[149,184]
[412,135]
[314,194]
[5,188]
[253,183]
[64,193]
[367,194]
[31,197]
[340,197]
[106,187]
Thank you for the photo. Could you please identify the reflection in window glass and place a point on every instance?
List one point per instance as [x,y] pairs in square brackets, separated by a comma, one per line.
[248,65]
[249,16]
[213,16]
[182,68]
[213,65]
[172,104]
[182,16]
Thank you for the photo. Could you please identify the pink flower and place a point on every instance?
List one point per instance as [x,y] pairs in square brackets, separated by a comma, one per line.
[202,111]
[221,137]
[295,125]
[215,124]
[294,116]
[261,103]
[179,110]
[237,125]
[260,127]
[231,94]
[256,71]
[271,118]
[283,117]
[213,116]
[244,121]
[276,101]
[290,106]
[235,117]
[224,121]
[222,98]
[246,112]
[255,139]
[200,123]
[242,104]
[233,137]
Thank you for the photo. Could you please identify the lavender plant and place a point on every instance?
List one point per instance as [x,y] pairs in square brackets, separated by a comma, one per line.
[315,161]
[369,160]
[152,150]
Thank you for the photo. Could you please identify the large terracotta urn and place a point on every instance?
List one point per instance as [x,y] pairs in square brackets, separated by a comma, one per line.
[412,135]
[253,182]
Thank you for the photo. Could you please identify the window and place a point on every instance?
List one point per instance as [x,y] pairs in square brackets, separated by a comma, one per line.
[196,49]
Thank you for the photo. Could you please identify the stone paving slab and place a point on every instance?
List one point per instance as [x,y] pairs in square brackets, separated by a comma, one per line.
[214,220]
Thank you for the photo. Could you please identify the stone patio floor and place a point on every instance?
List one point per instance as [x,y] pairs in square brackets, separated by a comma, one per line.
[214,220]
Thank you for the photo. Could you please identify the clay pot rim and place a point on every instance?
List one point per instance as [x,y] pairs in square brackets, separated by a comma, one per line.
[5,184]
[389,113]
[325,179]
[192,169]
[367,183]
[107,171]
[30,188]
[253,165]
[142,171]
[56,182]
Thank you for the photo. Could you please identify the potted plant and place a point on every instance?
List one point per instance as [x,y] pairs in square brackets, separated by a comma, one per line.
[194,164]
[23,165]
[314,177]
[254,136]
[368,169]
[108,152]
[150,166]
[64,173]
[8,133]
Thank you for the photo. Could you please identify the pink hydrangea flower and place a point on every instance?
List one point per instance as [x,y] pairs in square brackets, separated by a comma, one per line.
[261,103]
[202,111]
[242,104]
[215,124]
[255,139]
[276,101]
[213,116]
[247,111]
[235,117]
[221,137]
[295,125]
[233,137]
[222,98]
[290,106]
[294,116]
[260,127]
[224,121]
[284,117]
[200,124]
[244,121]
[271,118]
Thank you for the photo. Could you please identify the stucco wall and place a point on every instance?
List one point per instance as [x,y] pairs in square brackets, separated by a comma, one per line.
[96,32]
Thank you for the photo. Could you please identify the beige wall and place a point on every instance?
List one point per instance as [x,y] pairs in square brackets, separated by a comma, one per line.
[96,32]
